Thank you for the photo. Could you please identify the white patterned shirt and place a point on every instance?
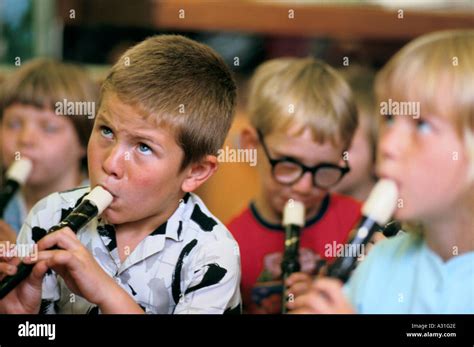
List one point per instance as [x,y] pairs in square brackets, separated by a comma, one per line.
[189,264]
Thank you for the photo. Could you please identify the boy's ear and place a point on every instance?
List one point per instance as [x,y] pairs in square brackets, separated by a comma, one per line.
[199,172]
[248,138]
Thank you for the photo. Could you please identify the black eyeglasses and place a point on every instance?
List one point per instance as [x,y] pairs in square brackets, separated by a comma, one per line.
[288,170]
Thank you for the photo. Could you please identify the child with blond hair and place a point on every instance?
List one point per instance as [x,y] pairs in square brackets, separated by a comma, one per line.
[35,125]
[303,117]
[430,156]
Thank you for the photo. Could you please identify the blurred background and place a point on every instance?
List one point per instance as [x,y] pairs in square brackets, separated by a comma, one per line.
[95,32]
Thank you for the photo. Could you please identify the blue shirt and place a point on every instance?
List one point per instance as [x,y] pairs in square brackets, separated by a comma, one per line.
[403,275]
[16,212]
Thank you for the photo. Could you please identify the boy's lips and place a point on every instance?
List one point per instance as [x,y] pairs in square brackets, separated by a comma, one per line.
[389,177]
[109,190]
[32,158]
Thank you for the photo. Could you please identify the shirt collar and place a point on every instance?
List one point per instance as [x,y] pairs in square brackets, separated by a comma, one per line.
[278,227]
[151,244]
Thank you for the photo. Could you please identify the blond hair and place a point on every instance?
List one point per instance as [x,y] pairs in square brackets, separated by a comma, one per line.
[428,66]
[183,85]
[302,92]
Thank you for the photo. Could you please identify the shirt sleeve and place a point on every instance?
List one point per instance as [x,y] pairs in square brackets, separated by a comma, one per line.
[211,280]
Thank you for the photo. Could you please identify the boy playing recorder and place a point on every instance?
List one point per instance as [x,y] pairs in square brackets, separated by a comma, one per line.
[165,110]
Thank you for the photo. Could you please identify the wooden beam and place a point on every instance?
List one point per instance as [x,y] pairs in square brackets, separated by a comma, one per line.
[348,21]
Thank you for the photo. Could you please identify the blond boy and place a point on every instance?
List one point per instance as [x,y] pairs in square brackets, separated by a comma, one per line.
[303,119]
[430,156]
[165,110]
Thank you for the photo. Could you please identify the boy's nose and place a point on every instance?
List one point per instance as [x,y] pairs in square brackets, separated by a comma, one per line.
[394,141]
[113,165]
[27,136]
[304,185]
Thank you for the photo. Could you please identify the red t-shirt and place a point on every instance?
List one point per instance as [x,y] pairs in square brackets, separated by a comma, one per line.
[262,246]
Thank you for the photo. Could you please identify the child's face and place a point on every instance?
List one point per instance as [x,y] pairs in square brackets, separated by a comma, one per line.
[304,149]
[427,160]
[134,160]
[360,160]
[49,140]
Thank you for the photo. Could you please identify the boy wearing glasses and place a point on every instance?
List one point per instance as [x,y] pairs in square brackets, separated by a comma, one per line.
[303,118]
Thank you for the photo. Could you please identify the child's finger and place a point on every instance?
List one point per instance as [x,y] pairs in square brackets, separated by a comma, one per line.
[7,269]
[299,302]
[312,302]
[62,258]
[55,256]
[299,288]
[5,259]
[377,237]
[38,273]
[6,253]
[331,290]
[323,270]
[327,284]
[297,277]
[300,311]
[63,238]
[56,260]
[321,304]
[328,287]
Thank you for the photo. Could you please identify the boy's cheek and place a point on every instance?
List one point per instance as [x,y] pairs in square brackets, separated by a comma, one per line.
[416,196]
[7,155]
[272,188]
[277,206]
[7,143]
[276,195]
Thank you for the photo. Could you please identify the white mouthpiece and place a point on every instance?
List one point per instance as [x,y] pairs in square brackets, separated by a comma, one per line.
[382,202]
[100,197]
[19,170]
[293,213]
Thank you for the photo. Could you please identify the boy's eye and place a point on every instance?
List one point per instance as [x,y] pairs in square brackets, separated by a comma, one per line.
[14,124]
[106,132]
[388,119]
[423,126]
[144,149]
[50,128]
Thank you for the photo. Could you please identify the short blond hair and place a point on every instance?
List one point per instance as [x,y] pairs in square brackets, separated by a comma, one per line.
[183,85]
[428,65]
[302,92]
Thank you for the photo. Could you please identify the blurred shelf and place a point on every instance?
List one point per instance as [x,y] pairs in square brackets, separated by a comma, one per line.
[96,72]
[359,21]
